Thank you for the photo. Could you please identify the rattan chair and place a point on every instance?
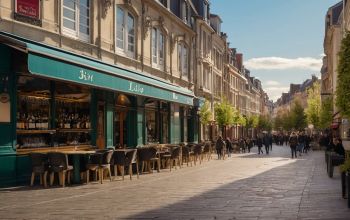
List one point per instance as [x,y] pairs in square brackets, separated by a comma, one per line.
[146,156]
[99,162]
[58,163]
[197,154]
[40,166]
[186,155]
[175,157]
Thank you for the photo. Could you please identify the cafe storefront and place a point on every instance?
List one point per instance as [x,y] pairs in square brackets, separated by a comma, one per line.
[51,99]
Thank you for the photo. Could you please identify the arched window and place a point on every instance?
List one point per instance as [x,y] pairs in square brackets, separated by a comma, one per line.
[125,32]
[183,60]
[157,42]
[76,19]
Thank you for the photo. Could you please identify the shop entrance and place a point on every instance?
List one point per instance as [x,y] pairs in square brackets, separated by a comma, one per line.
[120,120]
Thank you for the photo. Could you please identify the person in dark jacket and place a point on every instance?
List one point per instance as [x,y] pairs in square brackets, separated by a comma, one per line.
[270,141]
[249,144]
[259,142]
[266,143]
[228,146]
[219,146]
[293,142]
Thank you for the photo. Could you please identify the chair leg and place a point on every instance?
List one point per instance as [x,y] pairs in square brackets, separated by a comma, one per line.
[60,178]
[52,175]
[63,178]
[142,166]
[109,172]
[115,170]
[45,179]
[122,170]
[137,168]
[32,179]
[101,174]
[158,165]
[130,171]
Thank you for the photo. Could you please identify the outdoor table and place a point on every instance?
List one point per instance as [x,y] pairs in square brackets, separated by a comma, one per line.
[76,154]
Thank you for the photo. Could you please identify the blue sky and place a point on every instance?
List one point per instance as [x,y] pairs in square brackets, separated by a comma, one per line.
[282,40]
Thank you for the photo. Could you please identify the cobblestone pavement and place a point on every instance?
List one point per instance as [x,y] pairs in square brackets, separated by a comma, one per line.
[245,186]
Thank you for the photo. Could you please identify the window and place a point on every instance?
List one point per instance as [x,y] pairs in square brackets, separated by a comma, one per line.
[76,18]
[125,32]
[182,60]
[157,48]
[184,12]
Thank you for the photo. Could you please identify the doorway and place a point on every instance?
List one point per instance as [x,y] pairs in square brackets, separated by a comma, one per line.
[120,121]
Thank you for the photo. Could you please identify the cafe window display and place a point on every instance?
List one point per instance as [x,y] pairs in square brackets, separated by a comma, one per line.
[151,122]
[72,114]
[33,112]
[51,113]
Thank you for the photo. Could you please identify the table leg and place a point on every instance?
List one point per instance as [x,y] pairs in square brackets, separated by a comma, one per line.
[76,171]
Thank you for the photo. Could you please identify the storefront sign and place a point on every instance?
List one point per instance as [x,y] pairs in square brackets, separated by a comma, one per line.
[28,8]
[83,75]
[136,88]
[175,97]
[28,11]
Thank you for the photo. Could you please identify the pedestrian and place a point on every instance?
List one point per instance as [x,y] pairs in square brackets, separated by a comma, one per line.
[270,141]
[242,145]
[293,142]
[259,142]
[219,146]
[228,146]
[266,143]
[249,144]
[307,143]
[301,142]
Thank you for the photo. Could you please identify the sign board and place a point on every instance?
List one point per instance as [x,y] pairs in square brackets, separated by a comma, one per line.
[28,11]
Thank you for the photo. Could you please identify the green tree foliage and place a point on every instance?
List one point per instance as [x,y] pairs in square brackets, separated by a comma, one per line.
[224,113]
[252,121]
[326,115]
[313,109]
[264,123]
[205,113]
[298,117]
[343,88]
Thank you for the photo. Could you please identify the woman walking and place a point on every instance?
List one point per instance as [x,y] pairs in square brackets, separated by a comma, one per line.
[293,142]
[219,146]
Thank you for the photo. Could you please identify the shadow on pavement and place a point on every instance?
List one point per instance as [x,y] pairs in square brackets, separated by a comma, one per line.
[287,192]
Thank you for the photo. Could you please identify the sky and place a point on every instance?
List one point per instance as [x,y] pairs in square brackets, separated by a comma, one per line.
[281,40]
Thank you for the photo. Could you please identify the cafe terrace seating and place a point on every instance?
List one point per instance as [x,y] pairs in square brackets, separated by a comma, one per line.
[174,157]
[186,155]
[99,162]
[197,153]
[58,163]
[40,166]
[206,151]
[123,159]
[146,156]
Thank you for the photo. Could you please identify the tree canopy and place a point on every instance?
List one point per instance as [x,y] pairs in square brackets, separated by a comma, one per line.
[298,116]
[313,109]
[343,88]
[326,115]
[224,113]
[205,113]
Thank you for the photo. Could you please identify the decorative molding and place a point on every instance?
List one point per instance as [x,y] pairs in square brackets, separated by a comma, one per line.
[176,38]
[26,19]
[106,4]
[128,2]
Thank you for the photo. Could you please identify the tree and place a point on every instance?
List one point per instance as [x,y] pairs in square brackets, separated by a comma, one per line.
[252,121]
[343,88]
[264,123]
[326,114]
[224,114]
[313,109]
[298,116]
[205,113]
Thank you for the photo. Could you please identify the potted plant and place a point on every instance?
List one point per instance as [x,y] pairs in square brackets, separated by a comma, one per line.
[345,176]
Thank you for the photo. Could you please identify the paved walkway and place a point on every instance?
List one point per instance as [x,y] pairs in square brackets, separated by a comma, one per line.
[245,186]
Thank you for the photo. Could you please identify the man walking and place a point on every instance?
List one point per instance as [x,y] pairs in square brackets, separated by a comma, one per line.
[266,143]
[219,146]
[270,141]
[293,142]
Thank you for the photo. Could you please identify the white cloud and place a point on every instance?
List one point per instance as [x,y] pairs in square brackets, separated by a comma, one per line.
[275,92]
[271,83]
[280,63]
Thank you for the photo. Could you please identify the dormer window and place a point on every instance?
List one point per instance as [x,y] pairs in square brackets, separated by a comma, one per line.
[184,11]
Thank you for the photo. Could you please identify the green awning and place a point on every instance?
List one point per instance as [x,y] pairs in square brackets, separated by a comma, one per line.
[51,62]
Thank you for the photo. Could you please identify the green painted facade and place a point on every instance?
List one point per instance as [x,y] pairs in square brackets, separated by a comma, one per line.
[15,169]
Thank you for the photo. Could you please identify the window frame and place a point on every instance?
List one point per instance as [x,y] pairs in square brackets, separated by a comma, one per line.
[183,60]
[76,34]
[156,35]
[125,30]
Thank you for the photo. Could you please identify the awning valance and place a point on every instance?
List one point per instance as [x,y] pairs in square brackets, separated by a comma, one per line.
[51,62]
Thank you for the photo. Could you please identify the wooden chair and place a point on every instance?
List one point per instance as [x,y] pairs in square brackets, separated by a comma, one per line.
[206,151]
[40,166]
[146,156]
[175,157]
[131,158]
[197,153]
[58,163]
[186,155]
[99,162]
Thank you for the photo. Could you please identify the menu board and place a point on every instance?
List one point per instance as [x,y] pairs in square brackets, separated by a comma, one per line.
[30,8]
